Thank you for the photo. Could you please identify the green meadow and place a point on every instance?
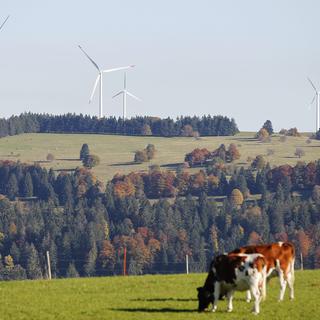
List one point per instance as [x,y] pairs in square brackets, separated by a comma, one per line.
[116,152]
[146,297]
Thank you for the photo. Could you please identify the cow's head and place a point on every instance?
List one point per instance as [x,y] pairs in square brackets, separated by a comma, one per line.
[205,297]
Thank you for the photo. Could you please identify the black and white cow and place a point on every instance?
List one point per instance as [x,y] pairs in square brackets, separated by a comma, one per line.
[230,273]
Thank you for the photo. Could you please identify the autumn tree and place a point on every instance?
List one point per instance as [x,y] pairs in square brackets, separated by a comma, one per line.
[233,152]
[263,135]
[187,131]
[150,151]
[258,163]
[236,197]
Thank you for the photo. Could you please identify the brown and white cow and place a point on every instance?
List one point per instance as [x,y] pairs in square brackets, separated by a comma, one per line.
[230,273]
[280,258]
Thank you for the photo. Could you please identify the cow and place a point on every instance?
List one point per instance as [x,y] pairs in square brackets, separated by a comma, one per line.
[229,273]
[280,258]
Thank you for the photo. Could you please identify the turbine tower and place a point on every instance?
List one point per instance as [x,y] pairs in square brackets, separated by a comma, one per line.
[3,23]
[125,92]
[317,95]
[99,79]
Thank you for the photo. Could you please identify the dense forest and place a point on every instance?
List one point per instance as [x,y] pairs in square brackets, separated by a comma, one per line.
[86,226]
[146,126]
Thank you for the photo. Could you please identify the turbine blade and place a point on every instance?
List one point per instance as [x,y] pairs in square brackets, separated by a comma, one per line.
[118,94]
[94,87]
[117,69]
[89,58]
[314,87]
[133,96]
[3,23]
[312,100]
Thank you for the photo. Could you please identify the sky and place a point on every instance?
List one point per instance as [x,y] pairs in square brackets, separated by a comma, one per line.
[246,59]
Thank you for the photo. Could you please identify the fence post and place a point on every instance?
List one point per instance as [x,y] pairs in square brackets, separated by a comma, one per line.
[124,261]
[187,264]
[49,265]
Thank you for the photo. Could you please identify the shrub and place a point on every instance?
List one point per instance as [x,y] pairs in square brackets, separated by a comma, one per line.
[50,157]
[299,152]
[270,152]
[140,156]
[283,139]
[91,161]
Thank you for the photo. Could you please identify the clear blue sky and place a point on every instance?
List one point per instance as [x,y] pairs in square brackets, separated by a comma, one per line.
[245,59]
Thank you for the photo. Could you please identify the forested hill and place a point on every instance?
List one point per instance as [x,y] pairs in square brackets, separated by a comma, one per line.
[145,126]
[86,226]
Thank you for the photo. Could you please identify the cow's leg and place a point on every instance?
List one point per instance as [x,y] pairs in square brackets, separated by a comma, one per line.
[264,286]
[283,284]
[290,280]
[248,296]
[230,298]
[216,295]
[257,298]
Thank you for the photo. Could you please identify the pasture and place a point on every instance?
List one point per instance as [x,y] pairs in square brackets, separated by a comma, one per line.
[116,152]
[146,297]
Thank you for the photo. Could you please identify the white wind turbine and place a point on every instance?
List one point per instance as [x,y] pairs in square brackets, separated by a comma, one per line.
[99,78]
[125,92]
[3,23]
[317,95]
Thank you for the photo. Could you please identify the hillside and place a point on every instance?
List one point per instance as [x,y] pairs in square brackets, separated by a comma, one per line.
[116,152]
[145,297]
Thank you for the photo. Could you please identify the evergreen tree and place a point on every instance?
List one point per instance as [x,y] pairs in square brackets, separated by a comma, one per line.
[72,271]
[268,126]
[12,187]
[33,263]
[27,186]
[84,152]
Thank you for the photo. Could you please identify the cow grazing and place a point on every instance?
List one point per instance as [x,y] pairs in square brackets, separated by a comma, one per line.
[280,258]
[229,273]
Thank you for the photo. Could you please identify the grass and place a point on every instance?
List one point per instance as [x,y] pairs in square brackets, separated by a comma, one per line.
[146,297]
[116,152]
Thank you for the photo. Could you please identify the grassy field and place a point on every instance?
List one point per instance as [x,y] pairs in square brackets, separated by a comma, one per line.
[146,297]
[116,152]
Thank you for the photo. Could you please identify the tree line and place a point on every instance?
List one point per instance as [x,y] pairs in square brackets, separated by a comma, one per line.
[86,226]
[218,180]
[72,123]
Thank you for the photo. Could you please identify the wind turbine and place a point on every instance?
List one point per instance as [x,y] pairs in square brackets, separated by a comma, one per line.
[125,92]
[3,23]
[317,95]
[99,78]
